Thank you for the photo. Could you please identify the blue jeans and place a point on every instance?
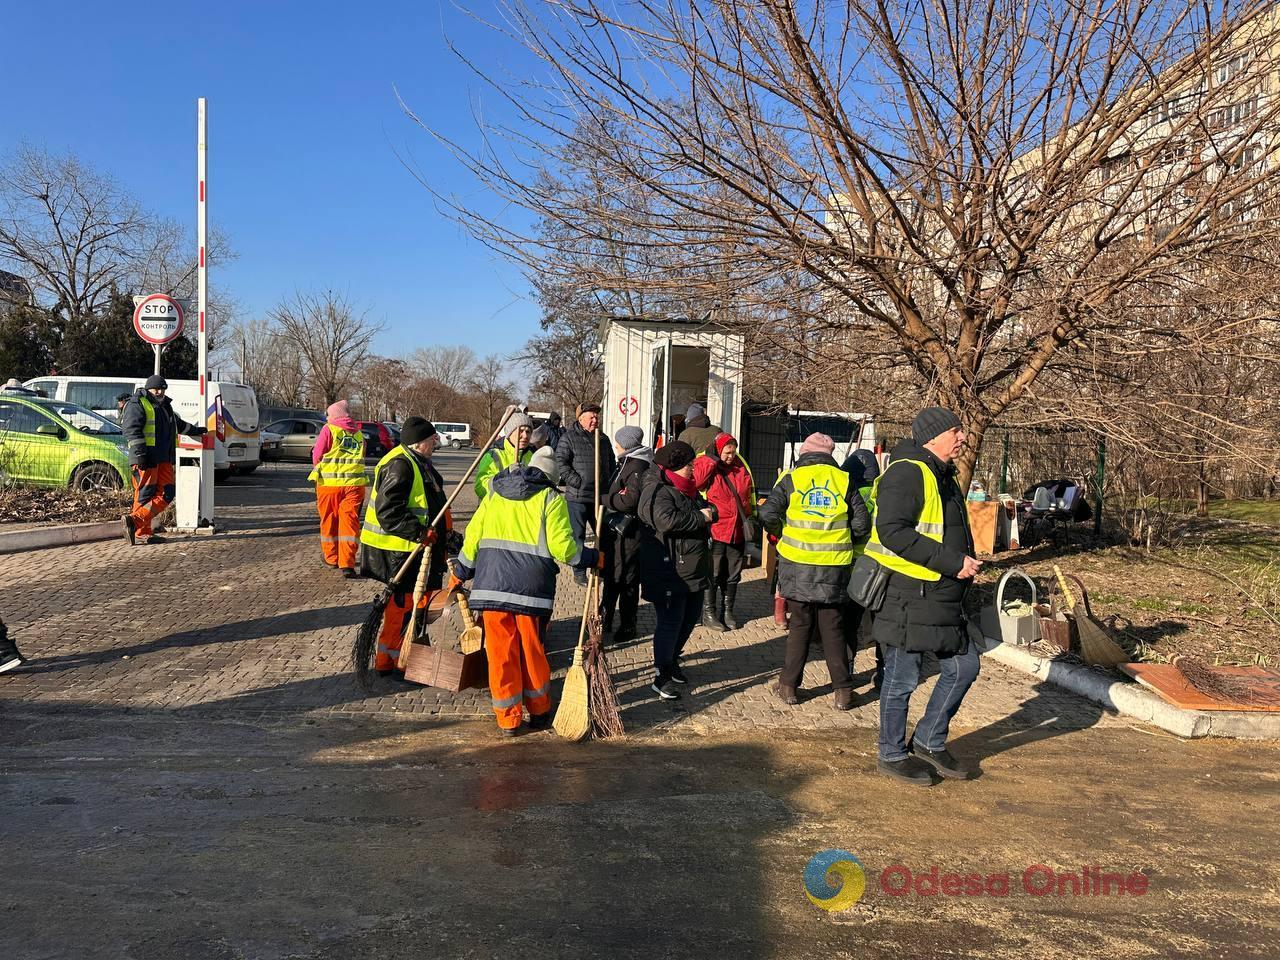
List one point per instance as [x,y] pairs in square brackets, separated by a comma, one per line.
[956,673]
[677,615]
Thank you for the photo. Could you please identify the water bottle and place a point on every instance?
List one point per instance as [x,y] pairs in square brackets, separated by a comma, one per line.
[976,491]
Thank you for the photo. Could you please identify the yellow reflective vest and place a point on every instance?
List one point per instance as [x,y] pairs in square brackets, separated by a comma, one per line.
[149,428]
[343,463]
[371,533]
[499,458]
[816,530]
[929,524]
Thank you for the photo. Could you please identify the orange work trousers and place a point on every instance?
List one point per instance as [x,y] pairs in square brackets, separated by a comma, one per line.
[394,619]
[152,492]
[339,524]
[518,668]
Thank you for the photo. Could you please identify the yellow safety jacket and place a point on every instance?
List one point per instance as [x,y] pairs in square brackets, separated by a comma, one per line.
[929,524]
[149,428]
[371,534]
[494,462]
[816,530]
[343,463]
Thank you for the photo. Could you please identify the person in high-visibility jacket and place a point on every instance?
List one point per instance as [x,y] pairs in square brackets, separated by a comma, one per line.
[863,469]
[513,448]
[151,429]
[922,536]
[817,516]
[407,493]
[340,479]
[510,553]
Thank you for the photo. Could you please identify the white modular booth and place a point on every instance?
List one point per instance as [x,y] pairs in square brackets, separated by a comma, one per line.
[655,368]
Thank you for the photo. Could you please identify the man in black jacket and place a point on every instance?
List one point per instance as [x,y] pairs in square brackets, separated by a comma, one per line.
[151,427]
[922,535]
[576,461]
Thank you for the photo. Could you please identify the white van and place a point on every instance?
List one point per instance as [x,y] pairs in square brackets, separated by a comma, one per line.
[454,434]
[239,453]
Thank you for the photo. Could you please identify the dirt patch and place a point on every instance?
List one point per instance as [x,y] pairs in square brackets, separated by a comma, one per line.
[32,506]
[1214,594]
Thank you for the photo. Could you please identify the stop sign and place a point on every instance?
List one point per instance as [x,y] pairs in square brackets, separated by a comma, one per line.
[157,318]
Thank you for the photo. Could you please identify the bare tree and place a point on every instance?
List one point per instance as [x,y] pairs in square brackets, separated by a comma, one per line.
[454,367]
[75,234]
[493,391]
[944,201]
[382,388]
[267,361]
[330,335]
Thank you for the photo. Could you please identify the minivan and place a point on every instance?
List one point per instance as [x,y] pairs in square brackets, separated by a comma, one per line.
[239,453]
[454,434]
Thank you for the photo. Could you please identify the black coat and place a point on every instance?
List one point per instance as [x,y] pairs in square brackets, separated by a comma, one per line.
[675,554]
[623,498]
[133,423]
[812,582]
[920,615]
[576,461]
[395,481]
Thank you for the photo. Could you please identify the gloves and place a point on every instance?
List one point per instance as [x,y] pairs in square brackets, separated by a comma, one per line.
[429,538]
[197,431]
[135,462]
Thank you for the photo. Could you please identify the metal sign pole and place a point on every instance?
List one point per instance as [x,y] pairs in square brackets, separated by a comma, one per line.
[157,348]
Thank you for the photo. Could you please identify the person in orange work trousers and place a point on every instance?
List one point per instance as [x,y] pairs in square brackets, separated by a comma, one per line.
[510,552]
[407,493]
[338,458]
[151,430]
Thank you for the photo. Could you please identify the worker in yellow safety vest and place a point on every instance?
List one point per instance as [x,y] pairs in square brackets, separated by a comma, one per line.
[408,492]
[513,448]
[817,516]
[922,538]
[339,476]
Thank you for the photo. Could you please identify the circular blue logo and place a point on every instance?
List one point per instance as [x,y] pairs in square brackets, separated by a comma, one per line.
[834,880]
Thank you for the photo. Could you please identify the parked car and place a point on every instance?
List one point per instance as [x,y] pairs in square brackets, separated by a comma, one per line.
[52,443]
[297,436]
[270,445]
[455,435]
[377,440]
[394,430]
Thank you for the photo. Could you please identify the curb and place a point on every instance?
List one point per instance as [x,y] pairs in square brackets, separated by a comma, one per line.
[38,538]
[1133,700]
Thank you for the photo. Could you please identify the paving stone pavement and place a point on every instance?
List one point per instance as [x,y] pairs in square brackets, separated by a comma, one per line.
[249,623]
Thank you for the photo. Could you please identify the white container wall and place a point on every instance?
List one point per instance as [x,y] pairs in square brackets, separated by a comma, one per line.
[705,367]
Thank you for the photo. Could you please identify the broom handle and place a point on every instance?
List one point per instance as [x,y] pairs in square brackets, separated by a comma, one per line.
[1066,590]
[454,495]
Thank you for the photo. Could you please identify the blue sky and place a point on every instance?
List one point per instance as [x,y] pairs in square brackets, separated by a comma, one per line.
[304,129]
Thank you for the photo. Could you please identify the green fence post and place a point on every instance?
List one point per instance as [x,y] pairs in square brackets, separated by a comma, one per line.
[1099,479]
[1004,465]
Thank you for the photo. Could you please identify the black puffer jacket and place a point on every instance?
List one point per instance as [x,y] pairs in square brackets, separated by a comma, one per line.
[576,461]
[920,615]
[624,498]
[395,481]
[811,582]
[674,552]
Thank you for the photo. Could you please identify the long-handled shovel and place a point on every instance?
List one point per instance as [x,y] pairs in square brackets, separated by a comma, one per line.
[366,637]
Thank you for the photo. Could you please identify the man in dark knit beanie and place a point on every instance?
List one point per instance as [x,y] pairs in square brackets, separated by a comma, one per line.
[921,534]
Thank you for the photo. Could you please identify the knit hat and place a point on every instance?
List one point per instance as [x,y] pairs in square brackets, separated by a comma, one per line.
[817,443]
[629,437]
[723,440]
[339,410]
[156,382]
[415,430]
[932,421]
[544,458]
[674,455]
[695,410]
[516,421]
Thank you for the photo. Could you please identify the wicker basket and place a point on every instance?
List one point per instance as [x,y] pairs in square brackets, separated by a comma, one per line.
[1058,626]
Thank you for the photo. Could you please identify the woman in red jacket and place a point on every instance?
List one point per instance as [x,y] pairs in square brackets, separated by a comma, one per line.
[726,482]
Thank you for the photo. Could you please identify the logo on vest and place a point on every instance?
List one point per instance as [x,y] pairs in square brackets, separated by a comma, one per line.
[819,500]
[349,445]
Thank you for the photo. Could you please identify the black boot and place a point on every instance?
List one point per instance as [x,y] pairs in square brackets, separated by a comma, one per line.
[709,618]
[10,658]
[730,598]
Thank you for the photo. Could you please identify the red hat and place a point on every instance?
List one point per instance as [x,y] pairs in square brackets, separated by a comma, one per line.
[722,440]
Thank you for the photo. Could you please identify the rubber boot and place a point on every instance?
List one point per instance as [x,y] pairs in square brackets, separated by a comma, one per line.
[730,598]
[709,611]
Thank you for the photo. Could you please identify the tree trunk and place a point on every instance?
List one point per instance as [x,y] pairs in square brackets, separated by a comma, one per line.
[1202,490]
[975,429]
